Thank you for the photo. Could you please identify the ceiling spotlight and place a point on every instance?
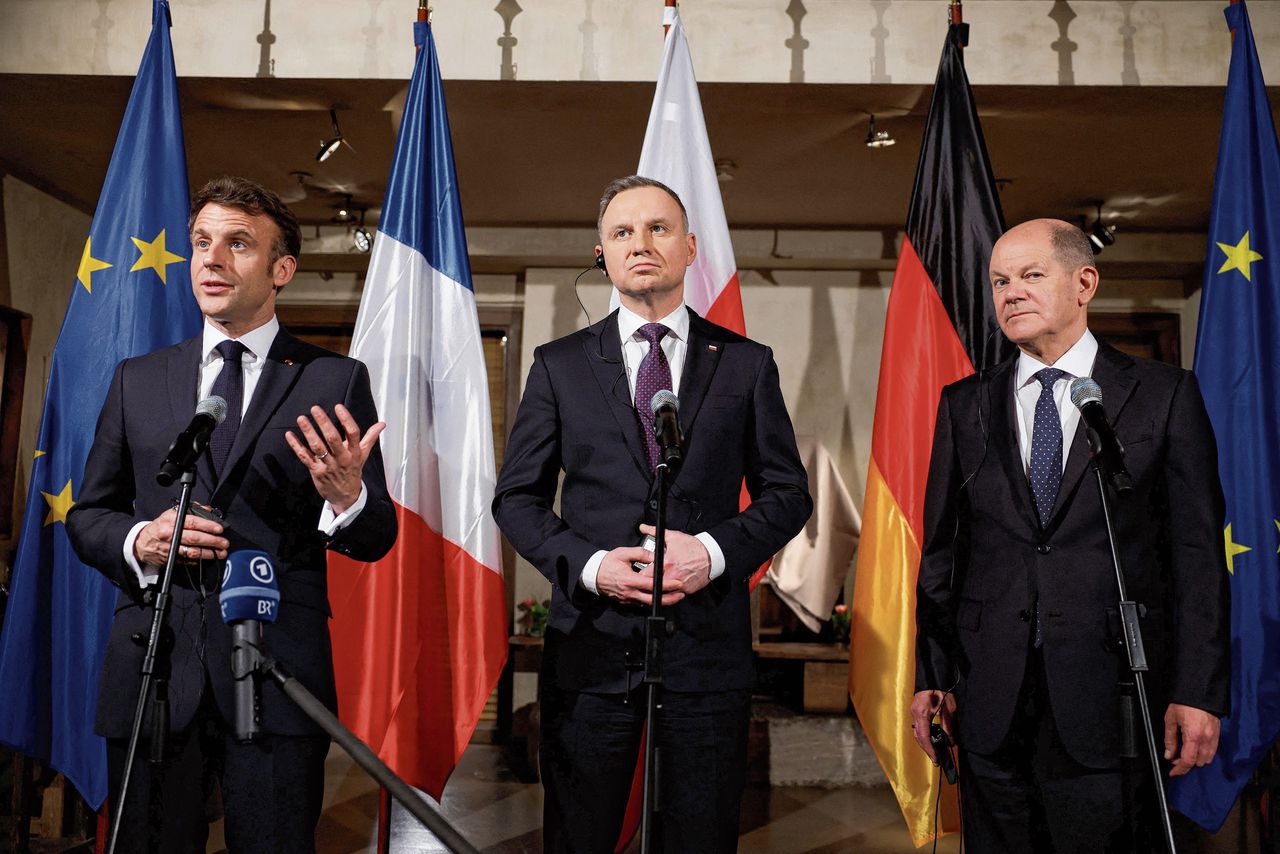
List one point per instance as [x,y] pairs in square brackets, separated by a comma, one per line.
[329,146]
[1101,236]
[362,239]
[878,138]
[344,214]
[724,170]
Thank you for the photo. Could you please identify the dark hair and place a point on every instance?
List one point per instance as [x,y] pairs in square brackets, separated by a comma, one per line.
[252,198]
[635,182]
[1070,246]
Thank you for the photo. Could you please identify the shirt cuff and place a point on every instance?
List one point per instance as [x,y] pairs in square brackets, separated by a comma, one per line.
[591,570]
[144,580]
[331,524]
[713,549]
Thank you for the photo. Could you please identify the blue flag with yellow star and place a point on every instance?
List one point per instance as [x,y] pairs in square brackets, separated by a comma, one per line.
[130,295]
[1238,364]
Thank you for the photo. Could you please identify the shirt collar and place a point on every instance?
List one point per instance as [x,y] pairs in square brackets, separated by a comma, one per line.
[1077,362]
[677,321]
[258,341]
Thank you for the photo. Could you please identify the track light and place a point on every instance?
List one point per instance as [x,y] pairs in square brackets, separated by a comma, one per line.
[329,146]
[1101,236]
[878,138]
[361,237]
[344,214]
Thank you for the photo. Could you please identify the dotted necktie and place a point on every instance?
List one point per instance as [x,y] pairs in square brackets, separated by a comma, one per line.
[654,375]
[230,387]
[1046,445]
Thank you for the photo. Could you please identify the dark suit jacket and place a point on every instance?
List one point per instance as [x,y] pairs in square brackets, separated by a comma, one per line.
[268,502]
[986,558]
[577,417]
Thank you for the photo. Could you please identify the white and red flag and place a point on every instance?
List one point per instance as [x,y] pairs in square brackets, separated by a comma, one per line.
[677,152]
[420,637]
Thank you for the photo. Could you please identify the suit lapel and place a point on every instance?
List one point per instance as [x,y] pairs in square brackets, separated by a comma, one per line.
[1111,372]
[280,371]
[701,355]
[603,349]
[1004,436]
[183,381]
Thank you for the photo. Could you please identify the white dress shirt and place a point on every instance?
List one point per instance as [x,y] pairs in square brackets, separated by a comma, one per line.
[257,344]
[634,348]
[1076,362]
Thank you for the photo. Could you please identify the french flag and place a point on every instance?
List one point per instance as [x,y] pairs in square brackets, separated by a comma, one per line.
[420,637]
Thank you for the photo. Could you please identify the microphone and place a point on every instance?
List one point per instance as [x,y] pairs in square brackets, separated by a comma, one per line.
[191,442]
[1086,394]
[250,597]
[666,427]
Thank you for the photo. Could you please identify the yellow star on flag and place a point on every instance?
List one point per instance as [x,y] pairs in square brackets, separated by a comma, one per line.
[59,505]
[88,266]
[154,256]
[1239,257]
[1233,549]
[1277,521]
[38,455]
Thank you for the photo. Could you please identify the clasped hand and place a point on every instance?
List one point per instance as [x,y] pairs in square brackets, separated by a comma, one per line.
[686,569]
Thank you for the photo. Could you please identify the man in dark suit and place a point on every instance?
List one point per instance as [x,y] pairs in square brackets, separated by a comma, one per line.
[1017,644]
[293,495]
[586,413]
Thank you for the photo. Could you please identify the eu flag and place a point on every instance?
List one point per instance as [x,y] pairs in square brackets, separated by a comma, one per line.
[130,295]
[1238,365]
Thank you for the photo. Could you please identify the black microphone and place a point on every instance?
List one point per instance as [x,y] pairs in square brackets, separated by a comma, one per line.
[250,597]
[666,427]
[1086,394]
[190,444]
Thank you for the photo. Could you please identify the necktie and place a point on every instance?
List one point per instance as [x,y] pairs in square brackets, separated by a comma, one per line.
[230,387]
[1046,460]
[1046,445]
[654,375]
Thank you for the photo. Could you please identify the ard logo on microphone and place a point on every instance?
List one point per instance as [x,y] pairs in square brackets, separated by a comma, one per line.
[249,588]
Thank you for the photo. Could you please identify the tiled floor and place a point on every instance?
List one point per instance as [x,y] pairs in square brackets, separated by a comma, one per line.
[500,814]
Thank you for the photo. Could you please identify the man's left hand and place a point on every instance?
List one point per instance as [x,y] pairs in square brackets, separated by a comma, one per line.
[686,568]
[335,459]
[1199,735]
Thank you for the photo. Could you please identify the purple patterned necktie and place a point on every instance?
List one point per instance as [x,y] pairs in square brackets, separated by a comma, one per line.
[230,387]
[653,376]
[1046,460]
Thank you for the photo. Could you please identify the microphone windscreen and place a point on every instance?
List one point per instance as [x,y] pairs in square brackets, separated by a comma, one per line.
[1085,390]
[213,406]
[664,397]
[249,588]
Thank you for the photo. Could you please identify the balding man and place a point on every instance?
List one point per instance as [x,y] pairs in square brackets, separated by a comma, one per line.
[1017,634]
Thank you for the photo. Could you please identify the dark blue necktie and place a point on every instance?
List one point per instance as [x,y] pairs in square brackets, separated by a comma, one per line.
[230,387]
[1046,446]
[1046,460]
[653,376]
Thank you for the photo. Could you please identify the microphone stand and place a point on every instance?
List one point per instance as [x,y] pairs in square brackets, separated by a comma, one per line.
[1132,634]
[655,632]
[155,664]
[252,660]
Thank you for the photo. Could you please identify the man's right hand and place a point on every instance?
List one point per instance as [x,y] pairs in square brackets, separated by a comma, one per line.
[200,540]
[924,707]
[617,580]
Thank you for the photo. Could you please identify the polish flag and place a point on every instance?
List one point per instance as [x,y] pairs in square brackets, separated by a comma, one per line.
[677,152]
[420,637]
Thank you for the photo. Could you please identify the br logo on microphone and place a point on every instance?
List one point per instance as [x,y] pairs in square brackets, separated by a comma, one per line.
[249,588]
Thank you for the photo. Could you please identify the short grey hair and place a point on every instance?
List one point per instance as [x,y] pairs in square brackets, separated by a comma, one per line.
[635,182]
[1071,246]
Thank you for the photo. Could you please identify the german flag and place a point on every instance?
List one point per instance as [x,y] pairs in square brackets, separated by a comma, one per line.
[940,325]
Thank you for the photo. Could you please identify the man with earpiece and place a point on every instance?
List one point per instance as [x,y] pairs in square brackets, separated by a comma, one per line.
[586,416]
[1019,651]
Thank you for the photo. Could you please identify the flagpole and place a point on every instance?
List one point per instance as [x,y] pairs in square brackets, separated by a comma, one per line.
[955,12]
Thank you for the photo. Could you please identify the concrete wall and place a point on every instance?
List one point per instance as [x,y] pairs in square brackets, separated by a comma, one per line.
[1084,42]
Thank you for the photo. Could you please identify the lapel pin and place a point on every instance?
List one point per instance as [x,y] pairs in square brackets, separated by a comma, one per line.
[288,361]
[714,348]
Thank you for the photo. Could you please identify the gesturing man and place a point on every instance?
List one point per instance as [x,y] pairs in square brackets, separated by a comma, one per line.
[585,415]
[1017,636]
[293,470]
